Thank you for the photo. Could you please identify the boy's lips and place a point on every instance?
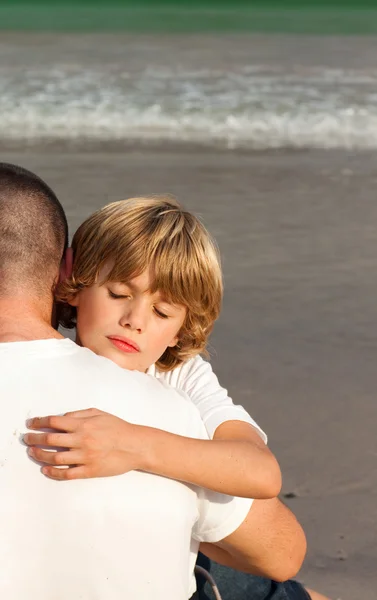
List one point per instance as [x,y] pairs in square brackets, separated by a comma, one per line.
[123,343]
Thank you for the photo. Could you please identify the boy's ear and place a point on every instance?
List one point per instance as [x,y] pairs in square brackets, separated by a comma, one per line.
[66,265]
[174,342]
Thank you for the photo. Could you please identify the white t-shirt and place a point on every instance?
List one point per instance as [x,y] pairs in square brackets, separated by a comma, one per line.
[133,536]
[196,378]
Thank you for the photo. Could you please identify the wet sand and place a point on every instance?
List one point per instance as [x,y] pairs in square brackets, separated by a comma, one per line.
[297,340]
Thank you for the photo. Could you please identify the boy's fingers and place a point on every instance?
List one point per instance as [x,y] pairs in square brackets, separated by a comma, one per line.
[62,423]
[66,474]
[84,414]
[56,458]
[55,440]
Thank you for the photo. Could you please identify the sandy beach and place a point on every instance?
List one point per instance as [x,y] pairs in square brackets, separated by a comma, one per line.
[297,340]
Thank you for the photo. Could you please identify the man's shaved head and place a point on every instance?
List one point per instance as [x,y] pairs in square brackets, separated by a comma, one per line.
[33,232]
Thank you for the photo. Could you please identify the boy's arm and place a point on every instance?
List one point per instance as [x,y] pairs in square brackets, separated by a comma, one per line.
[236,462]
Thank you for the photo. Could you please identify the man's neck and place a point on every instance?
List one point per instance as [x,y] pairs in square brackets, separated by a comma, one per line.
[25,319]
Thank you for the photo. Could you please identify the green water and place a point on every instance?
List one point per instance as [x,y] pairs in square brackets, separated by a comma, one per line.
[201,4]
[312,16]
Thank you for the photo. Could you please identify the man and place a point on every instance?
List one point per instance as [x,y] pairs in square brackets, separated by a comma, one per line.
[105,538]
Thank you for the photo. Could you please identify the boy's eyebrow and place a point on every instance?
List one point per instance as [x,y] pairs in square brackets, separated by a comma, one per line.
[169,301]
[131,286]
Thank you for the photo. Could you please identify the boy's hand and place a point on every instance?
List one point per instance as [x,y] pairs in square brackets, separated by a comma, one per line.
[97,445]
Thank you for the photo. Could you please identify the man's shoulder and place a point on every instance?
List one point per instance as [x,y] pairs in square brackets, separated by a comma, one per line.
[112,375]
[141,394]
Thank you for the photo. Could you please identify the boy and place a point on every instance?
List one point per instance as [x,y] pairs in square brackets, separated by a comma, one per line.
[147,271]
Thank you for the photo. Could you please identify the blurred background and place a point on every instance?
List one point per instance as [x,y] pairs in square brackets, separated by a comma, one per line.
[262,118]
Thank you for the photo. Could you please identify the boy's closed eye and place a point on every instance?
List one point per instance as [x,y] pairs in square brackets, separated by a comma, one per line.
[118,296]
[160,314]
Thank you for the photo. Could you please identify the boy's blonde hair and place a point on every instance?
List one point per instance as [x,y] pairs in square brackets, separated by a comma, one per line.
[153,233]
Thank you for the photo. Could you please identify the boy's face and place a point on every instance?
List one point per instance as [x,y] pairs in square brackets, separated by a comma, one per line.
[126,323]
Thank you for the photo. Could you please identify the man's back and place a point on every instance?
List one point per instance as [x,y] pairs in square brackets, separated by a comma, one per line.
[102,539]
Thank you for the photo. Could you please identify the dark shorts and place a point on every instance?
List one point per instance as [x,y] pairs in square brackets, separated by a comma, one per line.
[234,585]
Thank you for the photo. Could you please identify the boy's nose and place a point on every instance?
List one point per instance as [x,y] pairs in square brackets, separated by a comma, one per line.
[134,321]
[131,327]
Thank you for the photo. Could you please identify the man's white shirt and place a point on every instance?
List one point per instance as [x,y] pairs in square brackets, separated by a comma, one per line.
[133,536]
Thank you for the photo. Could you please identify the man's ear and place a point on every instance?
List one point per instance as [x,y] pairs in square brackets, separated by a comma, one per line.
[66,265]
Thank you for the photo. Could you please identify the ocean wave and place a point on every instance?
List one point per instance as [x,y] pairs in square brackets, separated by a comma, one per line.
[254,107]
